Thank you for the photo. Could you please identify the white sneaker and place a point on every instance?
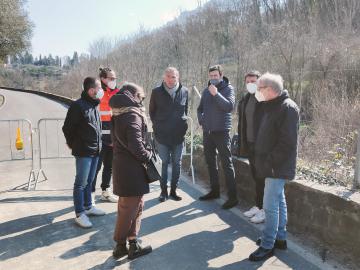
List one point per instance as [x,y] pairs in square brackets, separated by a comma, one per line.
[259,217]
[252,212]
[106,195]
[93,211]
[93,198]
[83,221]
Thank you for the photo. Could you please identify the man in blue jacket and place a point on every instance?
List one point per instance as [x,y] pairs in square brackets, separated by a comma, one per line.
[82,130]
[214,115]
[168,111]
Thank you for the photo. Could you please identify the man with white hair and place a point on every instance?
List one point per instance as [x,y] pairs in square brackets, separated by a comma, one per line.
[275,159]
[168,110]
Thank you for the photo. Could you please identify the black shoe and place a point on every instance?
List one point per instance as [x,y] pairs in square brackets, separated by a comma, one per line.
[261,254]
[279,244]
[230,203]
[135,250]
[120,251]
[210,196]
[174,196]
[163,195]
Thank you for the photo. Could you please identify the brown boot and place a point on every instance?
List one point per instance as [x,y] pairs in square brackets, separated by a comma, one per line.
[120,251]
[135,250]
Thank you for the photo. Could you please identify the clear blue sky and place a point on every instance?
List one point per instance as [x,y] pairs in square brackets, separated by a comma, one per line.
[65,26]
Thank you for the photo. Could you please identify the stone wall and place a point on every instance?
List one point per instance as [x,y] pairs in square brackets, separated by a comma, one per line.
[327,215]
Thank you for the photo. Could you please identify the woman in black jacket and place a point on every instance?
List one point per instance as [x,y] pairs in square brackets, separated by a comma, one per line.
[129,176]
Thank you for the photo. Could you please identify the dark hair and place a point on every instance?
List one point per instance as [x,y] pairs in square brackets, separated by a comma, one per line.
[216,67]
[104,72]
[253,73]
[89,82]
[133,88]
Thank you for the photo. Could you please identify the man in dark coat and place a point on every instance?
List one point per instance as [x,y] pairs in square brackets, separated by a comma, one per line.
[249,111]
[275,159]
[214,115]
[168,111]
[82,130]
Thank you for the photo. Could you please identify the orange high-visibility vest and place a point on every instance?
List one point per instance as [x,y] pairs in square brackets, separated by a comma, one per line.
[105,111]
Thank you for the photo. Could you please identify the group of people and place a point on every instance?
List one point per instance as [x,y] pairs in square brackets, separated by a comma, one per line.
[115,134]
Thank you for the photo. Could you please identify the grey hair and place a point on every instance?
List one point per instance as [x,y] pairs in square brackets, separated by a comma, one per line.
[275,81]
[171,70]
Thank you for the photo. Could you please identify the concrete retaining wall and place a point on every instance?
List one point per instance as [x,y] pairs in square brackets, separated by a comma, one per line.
[327,215]
[65,100]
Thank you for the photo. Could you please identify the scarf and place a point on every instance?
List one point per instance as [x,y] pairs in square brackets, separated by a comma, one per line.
[172,91]
[139,110]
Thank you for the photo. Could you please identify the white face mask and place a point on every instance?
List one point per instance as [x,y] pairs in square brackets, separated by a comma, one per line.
[112,84]
[100,93]
[259,96]
[251,88]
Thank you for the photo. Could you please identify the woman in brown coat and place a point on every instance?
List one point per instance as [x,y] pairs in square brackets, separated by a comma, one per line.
[129,176]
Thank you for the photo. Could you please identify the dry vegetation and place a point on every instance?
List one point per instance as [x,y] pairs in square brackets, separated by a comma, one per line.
[314,45]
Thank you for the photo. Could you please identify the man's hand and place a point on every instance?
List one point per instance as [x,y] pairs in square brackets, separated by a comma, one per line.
[213,90]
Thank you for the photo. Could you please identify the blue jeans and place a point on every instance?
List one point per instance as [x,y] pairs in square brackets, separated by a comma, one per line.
[85,173]
[275,212]
[170,153]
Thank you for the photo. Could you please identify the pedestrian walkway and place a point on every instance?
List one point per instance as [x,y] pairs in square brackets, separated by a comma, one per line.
[37,231]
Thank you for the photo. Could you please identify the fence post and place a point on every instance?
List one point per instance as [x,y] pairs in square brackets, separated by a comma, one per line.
[356,183]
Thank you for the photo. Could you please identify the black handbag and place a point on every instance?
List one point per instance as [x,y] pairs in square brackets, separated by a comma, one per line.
[153,167]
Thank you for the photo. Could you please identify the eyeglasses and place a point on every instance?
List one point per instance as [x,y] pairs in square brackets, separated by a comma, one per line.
[261,87]
[111,78]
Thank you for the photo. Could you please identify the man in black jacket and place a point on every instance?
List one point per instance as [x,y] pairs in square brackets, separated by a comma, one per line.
[249,111]
[214,115]
[168,112]
[82,130]
[275,159]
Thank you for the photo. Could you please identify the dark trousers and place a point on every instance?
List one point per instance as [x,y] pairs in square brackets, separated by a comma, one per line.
[105,158]
[259,182]
[128,218]
[220,141]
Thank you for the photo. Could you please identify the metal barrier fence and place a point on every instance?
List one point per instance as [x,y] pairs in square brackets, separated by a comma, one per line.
[356,182]
[51,145]
[8,140]
[190,120]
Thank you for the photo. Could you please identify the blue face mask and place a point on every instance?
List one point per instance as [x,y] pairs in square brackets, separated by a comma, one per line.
[215,81]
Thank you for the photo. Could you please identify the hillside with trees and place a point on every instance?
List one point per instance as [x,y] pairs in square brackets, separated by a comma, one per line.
[314,45]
